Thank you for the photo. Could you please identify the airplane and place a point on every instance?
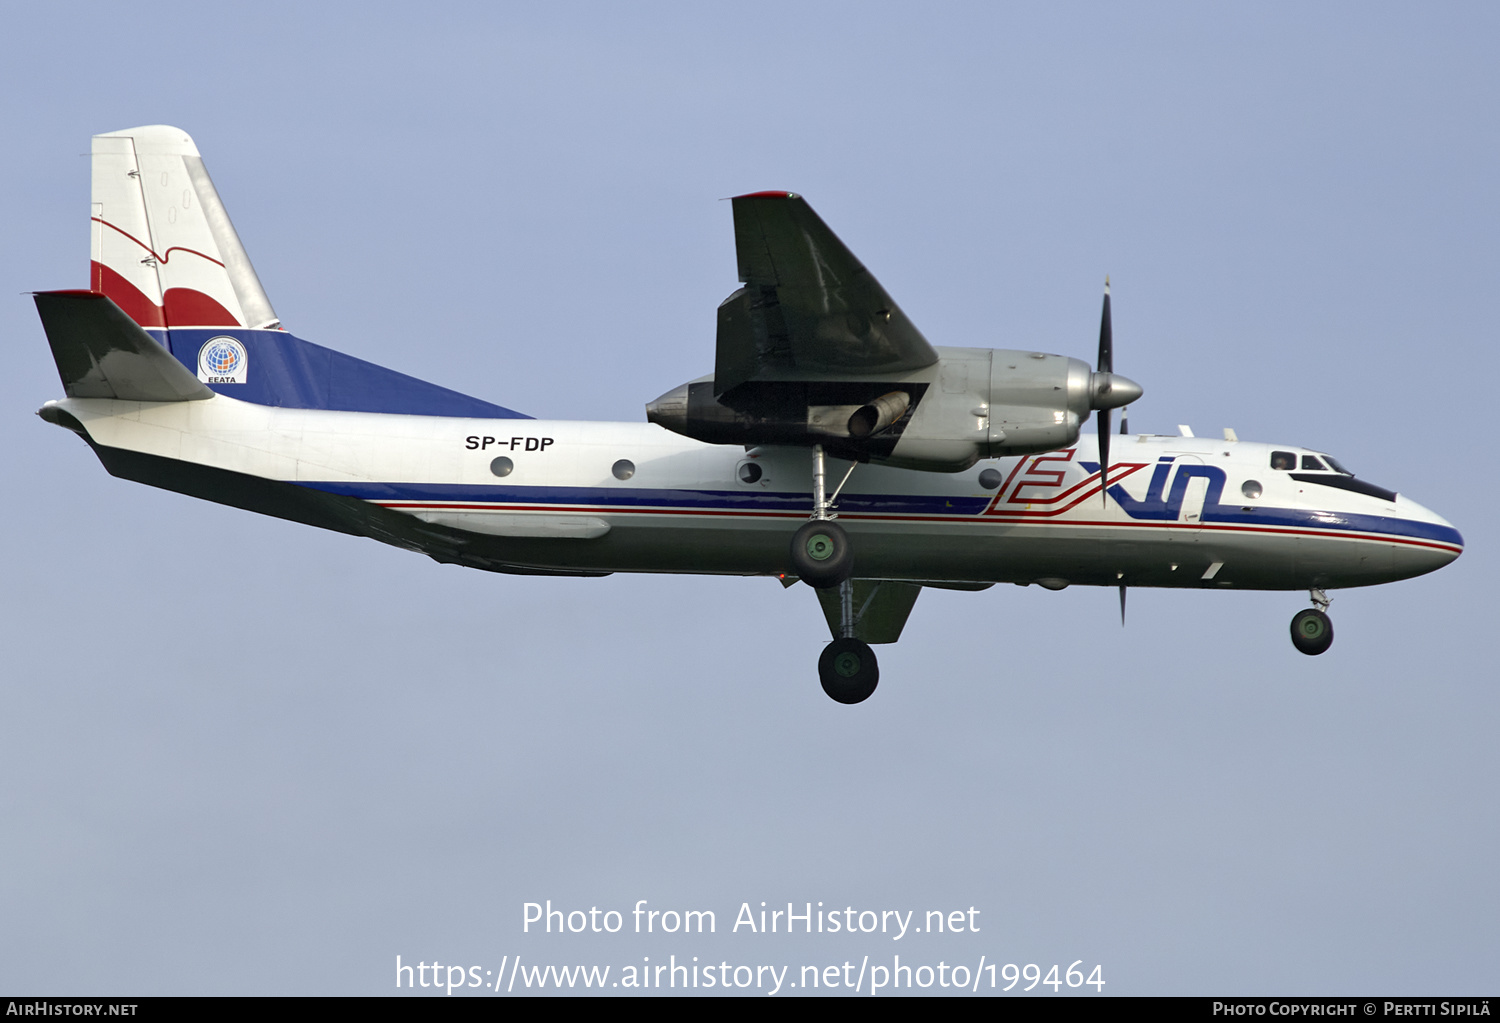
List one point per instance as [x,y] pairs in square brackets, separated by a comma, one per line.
[831,444]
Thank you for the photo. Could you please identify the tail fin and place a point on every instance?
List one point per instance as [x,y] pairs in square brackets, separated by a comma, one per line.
[164,248]
[166,254]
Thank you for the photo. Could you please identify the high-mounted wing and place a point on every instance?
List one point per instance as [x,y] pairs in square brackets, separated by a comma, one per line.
[808,305]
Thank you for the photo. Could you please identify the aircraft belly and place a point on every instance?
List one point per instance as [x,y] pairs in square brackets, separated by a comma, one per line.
[977,551]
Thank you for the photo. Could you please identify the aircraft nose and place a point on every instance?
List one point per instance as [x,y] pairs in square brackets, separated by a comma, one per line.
[1433,540]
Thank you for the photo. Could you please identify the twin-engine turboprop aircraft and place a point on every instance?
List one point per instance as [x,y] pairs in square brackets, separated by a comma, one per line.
[831,444]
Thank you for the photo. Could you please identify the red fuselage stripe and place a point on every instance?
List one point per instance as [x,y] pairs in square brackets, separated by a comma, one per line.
[977,520]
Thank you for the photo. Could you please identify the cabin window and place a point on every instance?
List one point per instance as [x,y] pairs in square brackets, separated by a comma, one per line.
[502,466]
[990,479]
[623,469]
[749,472]
[1251,488]
[1283,460]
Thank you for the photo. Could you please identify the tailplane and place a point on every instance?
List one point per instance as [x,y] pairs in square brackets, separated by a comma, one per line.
[101,353]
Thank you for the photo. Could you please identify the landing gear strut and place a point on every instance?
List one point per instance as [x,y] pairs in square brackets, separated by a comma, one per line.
[848,669]
[1312,630]
[821,555]
[822,558]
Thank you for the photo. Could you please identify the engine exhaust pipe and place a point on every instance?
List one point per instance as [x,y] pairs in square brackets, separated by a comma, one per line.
[879,414]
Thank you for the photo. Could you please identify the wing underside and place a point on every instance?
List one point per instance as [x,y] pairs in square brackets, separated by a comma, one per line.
[809,309]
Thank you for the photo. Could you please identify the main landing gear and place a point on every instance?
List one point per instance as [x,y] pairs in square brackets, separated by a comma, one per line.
[821,555]
[1312,630]
[848,669]
[822,558]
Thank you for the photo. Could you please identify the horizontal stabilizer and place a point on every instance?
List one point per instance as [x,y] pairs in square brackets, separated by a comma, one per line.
[881,608]
[102,353]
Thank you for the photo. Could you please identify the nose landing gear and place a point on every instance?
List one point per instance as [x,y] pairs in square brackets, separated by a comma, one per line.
[1312,630]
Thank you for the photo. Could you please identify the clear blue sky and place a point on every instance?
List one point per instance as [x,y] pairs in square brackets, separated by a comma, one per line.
[244,756]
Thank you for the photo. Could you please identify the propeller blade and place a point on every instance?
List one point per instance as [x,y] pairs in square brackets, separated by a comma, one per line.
[1106,337]
[1106,364]
[1103,421]
[1122,605]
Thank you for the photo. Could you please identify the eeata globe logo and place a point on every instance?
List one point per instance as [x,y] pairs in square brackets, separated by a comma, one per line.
[222,360]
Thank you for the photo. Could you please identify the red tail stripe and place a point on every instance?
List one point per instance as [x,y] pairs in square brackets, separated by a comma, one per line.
[165,257]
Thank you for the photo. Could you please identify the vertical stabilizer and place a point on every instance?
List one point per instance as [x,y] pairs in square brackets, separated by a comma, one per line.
[163,246]
[166,254]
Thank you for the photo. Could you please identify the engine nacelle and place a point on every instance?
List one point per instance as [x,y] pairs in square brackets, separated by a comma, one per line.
[972,403]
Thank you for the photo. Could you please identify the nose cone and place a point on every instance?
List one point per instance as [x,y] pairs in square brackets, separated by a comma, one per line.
[1430,540]
[1111,390]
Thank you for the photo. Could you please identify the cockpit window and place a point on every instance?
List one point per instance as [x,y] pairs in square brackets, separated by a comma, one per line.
[1337,467]
[1311,463]
[1283,460]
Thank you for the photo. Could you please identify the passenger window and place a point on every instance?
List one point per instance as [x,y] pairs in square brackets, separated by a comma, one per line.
[1283,460]
[1313,464]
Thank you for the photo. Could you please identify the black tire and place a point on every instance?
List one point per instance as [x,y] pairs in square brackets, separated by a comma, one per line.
[821,555]
[848,670]
[1312,632]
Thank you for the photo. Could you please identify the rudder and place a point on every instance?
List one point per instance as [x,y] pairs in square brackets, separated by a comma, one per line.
[164,248]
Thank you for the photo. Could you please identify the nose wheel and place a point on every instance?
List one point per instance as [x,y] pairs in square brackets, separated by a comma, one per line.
[848,670]
[1312,629]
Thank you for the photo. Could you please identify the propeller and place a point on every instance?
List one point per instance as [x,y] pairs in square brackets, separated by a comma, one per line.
[1124,429]
[1109,392]
[1105,364]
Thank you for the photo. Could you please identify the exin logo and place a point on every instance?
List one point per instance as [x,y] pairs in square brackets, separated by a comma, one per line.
[222,360]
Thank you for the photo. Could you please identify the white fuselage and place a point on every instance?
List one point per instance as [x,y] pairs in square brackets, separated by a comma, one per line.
[1182,511]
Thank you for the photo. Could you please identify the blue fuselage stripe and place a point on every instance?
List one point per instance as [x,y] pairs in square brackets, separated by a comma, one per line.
[956,508]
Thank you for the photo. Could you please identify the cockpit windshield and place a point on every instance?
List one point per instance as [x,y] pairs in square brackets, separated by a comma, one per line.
[1288,460]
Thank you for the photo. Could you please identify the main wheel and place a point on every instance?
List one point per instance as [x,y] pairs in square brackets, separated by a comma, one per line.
[1312,632]
[821,555]
[848,670]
